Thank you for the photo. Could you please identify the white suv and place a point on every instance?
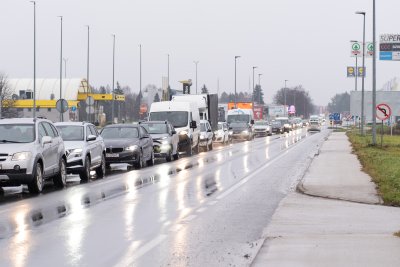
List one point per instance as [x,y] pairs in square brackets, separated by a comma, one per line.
[31,150]
[85,148]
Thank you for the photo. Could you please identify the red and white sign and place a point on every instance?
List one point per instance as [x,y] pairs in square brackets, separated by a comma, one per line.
[258,113]
[383,112]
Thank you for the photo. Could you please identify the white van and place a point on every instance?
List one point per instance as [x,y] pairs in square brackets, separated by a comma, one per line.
[185,118]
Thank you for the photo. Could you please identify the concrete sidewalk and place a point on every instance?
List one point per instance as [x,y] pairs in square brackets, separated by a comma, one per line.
[318,228]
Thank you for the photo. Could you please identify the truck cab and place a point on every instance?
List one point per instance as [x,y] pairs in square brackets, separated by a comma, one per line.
[185,118]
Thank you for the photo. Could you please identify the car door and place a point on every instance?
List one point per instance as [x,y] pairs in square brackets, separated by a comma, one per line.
[226,132]
[174,138]
[46,153]
[145,143]
[98,144]
[92,146]
[49,150]
[209,133]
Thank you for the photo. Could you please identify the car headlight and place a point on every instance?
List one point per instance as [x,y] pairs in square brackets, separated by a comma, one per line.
[202,137]
[132,148]
[245,132]
[230,132]
[71,153]
[182,132]
[21,156]
[165,142]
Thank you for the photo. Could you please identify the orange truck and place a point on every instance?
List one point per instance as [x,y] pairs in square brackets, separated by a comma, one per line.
[240,105]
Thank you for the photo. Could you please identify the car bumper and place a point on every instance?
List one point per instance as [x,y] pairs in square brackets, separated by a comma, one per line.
[161,150]
[184,143]
[14,178]
[241,136]
[218,139]
[123,157]
[75,166]
[204,142]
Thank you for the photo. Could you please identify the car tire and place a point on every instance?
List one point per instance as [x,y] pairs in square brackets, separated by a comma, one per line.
[176,156]
[36,185]
[138,165]
[189,150]
[85,173]
[101,170]
[150,162]
[60,180]
[168,158]
[211,146]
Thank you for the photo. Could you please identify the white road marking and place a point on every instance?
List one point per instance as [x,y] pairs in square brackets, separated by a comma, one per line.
[201,210]
[212,203]
[189,218]
[143,250]
[176,228]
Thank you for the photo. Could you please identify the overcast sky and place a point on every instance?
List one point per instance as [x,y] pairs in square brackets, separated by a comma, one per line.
[303,41]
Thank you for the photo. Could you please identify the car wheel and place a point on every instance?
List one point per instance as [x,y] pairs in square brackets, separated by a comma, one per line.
[85,174]
[101,170]
[139,164]
[189,150]
[60,180]
[108,166]
[211,146]
[176,156]
[36,185]
[150,162]
[169,157]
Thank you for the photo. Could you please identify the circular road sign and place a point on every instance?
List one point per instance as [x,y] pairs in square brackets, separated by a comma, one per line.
[370,47]
[90,101]
[383,112]
[90,109]
[62,105]
[356,47]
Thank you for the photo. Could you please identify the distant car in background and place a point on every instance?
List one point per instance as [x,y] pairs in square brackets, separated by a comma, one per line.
[128,143]
[314,126]
[165,139]
[262,128]
[222,134]
[287,126]
[277,127]
[206,135]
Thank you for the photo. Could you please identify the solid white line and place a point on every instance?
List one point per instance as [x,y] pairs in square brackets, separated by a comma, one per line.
[212,203]
[245,180]
[176,228]
[145,248]
[201,210]
[189,218]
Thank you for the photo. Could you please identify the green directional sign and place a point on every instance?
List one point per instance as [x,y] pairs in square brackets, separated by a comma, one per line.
[356,49]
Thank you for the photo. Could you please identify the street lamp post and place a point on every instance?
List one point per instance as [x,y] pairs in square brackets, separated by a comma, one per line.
[362,78]
[356,72]
[196,62]
[61,62]
[236,57]
[259,84]
[87,68]
[254,67]
[34,59]
[113,80]
[284,93]
[374,76]
[65,67]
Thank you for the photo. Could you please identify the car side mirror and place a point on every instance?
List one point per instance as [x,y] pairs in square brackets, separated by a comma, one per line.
[193,124]
[209,131]
[91,137]
[252,122]
[173,132]
[46,140]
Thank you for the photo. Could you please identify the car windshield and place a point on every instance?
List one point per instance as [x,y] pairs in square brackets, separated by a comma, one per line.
[276,123]
[17,133]
[238,124]
[263,123]
[155,128]
[71,133]
[120,133]
[238,118]
[202,127]
[177,118]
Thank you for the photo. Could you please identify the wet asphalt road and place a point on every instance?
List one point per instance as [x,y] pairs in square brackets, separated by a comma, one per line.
[207,210]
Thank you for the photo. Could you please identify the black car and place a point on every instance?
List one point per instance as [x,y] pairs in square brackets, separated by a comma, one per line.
[165,139]
[241,130]
[277,127]
[128,144]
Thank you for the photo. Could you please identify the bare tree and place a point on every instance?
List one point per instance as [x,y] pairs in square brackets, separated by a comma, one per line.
[7,109]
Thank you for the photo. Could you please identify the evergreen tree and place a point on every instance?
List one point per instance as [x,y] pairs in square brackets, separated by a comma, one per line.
[156,98]
[204,89]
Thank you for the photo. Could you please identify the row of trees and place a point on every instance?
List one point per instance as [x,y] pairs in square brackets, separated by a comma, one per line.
[296,96]
[340,103]
[7,109]
[244,97]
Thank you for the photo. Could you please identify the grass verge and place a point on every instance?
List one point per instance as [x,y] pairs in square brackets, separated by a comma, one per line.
[381,163]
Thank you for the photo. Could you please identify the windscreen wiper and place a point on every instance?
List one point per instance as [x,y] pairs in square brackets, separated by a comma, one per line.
[9,141]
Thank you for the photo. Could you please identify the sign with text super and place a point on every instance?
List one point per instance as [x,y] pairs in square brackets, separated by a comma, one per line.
[389,47]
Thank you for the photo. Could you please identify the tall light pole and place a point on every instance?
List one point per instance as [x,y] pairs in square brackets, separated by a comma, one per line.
[34,59]
[140,68]
[196,62]
[259,84]
[236,57]
[61,62]
[87,67]
[113,80]
[168,75]
[284,93]
[362,81]
[65,67]
[374,76]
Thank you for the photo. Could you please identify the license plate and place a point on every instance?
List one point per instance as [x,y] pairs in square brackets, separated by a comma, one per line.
[112,155]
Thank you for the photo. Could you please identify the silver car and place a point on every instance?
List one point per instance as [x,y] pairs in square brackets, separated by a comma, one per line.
[31,150]
[84,147]
[206,135]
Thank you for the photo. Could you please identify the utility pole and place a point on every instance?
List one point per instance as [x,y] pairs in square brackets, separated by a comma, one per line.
[113,80]
[374,77]
[284,93]
[61,62]
[87,67]
[196,62]
[259,84]
[34,59]
[252,98]
[236,57]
